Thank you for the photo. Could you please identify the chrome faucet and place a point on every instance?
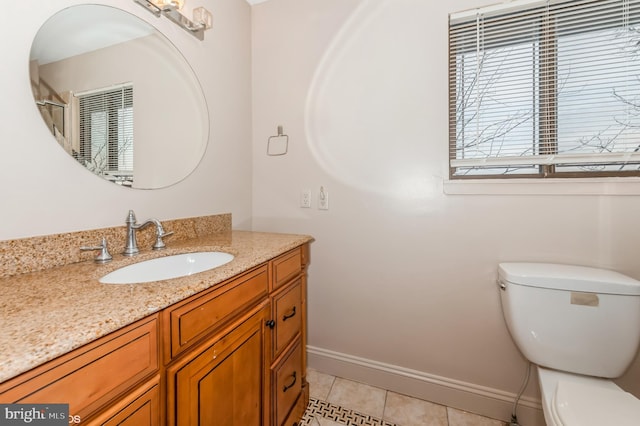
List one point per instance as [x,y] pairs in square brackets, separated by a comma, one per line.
[131,246]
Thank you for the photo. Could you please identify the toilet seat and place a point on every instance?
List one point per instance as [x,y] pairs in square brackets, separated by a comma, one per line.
[581,404]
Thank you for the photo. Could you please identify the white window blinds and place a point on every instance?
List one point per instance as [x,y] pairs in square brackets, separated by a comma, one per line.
[106,132]
[545,89]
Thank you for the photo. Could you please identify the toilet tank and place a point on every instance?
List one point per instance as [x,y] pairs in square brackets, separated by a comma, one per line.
[572,318]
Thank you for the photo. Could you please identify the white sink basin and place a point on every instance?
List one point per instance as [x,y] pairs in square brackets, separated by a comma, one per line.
[164,268]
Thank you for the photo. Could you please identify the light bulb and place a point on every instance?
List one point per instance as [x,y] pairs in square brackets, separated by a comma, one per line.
[178,4]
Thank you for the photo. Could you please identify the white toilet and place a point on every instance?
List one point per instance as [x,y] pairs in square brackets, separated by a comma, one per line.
[581,327]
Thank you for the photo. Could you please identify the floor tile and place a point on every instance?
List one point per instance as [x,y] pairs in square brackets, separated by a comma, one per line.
[462,418]
[319,384]
[407,411]
[341,402]
[358,397]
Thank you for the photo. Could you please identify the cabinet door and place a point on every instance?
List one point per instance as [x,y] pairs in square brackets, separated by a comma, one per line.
[224,384]
[140,408]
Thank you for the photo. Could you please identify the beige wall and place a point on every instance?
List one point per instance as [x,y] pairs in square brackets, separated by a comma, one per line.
[402,287]
[44,191]
[402,282]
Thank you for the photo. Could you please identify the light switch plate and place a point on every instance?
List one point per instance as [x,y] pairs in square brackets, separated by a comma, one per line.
[323,199]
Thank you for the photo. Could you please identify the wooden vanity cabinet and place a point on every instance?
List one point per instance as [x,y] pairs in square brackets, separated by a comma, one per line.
[233,355]
[246,367]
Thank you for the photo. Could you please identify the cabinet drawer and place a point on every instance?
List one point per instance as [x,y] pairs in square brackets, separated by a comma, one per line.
[286,267]
[287,384]
[288,316]
[140,408]
[89,377]
[197,317]
[295,416]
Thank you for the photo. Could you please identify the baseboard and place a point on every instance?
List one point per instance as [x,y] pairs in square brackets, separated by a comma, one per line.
[465,396]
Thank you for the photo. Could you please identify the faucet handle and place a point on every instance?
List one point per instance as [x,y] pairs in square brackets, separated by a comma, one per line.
[104,256]
[159,245]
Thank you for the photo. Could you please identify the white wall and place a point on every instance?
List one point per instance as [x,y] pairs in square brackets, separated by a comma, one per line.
[403,274]
[44,191]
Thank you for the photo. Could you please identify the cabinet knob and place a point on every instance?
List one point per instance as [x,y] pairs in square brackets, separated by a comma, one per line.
[270,324]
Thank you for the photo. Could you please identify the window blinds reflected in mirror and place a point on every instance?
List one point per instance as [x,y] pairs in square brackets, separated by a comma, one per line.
[106,137]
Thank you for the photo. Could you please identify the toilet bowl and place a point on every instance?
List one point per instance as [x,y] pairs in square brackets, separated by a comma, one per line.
[581,327]
[571,399]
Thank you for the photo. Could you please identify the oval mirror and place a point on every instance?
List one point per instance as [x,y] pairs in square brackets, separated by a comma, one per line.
[118,96]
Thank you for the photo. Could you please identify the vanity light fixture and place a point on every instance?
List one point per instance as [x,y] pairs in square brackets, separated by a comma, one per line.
[202,18]
[175,3]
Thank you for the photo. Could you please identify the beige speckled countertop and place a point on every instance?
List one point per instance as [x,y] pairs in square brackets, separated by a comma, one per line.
[48,313]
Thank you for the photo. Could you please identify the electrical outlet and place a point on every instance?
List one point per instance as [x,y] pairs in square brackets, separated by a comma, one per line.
[305,198]
[323,199]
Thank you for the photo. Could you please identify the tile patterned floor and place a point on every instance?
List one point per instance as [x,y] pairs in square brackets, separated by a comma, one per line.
[323,412]
[340,402]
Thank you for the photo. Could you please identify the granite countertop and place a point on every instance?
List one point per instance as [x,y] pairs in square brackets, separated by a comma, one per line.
[49,313]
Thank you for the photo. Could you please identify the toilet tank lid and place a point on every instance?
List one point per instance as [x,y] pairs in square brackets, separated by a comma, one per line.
[568,277]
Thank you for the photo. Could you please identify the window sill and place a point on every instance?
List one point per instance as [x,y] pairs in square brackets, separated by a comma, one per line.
[585,186]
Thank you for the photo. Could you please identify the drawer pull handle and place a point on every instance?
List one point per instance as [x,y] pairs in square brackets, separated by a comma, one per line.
[270,324]
[293,382]
[291,315]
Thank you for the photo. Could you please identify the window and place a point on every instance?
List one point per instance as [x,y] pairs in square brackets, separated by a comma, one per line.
[545,89]
[106,133]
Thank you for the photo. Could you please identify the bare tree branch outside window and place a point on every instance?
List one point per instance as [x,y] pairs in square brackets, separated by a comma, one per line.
[550,98]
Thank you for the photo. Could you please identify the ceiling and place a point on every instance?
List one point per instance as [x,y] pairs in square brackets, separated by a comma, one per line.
[93,27]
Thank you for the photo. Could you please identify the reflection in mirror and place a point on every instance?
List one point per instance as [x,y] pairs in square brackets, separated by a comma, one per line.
[118,97]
